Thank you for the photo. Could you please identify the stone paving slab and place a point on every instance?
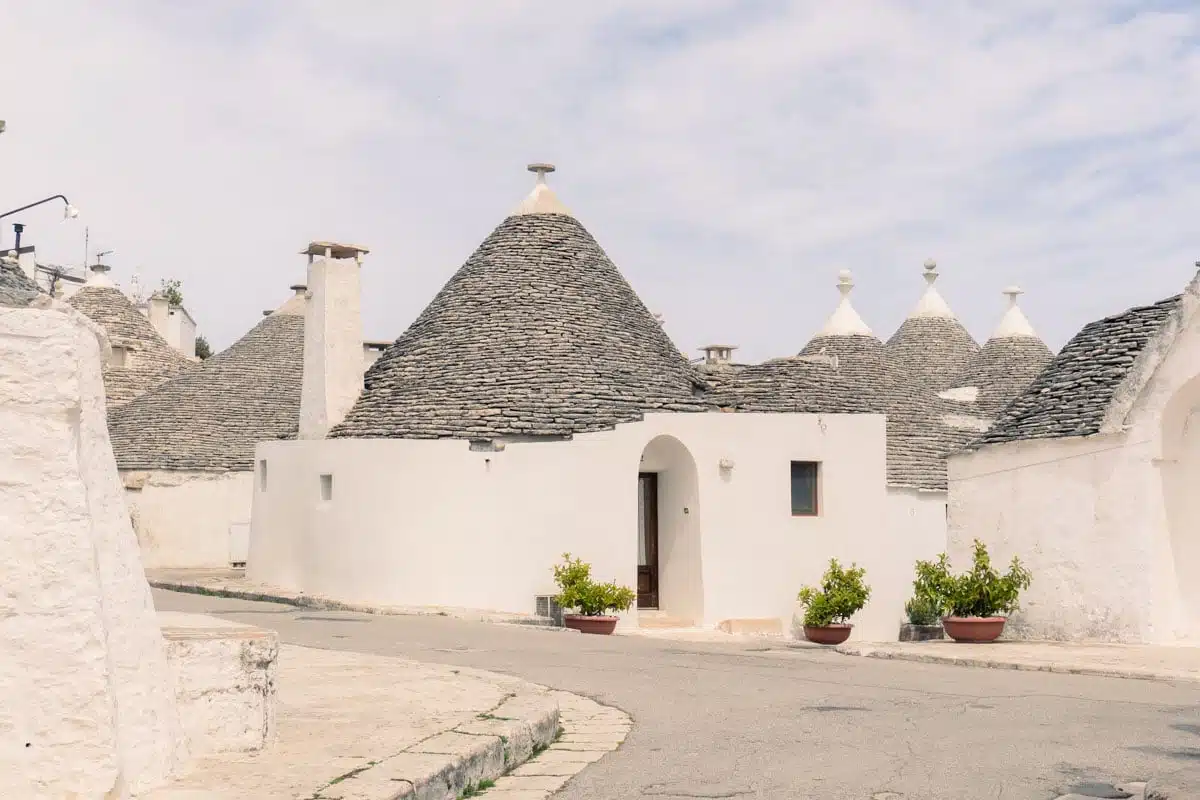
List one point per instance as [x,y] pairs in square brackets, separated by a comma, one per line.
[233,583]
[354,726]
[1141,662]
[581,720]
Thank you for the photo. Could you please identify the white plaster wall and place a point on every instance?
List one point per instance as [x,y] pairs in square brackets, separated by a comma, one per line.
[85,698]
[182,518]
[680,552]
[333,345]
[1082,515]
[916,531]
[433,523]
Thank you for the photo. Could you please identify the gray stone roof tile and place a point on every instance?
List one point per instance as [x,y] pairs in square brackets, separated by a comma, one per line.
[16,289]
[1071,396]
[150,360]
[932,351]
[1003,369]
[210,417]
[537,334]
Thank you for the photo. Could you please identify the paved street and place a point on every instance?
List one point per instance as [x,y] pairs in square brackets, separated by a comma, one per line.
[762,721]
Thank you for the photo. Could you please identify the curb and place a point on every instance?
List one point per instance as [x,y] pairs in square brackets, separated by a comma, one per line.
[451,763]
[316,603]
[1127,673]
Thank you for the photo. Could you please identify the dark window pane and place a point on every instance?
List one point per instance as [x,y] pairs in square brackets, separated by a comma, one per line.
[804,488]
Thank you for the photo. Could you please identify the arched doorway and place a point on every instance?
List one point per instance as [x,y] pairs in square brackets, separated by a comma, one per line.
[668,531]
[1180,473]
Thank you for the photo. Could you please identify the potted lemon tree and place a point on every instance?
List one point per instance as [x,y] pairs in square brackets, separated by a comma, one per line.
[591,600]
[977,602]
[828,608]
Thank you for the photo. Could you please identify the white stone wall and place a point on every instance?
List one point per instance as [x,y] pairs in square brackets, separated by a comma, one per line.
[434,523]
[86,705]
[225,682]
[182,518]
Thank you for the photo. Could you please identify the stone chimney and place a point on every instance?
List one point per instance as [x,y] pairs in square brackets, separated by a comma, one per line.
[718,354]
[333,340]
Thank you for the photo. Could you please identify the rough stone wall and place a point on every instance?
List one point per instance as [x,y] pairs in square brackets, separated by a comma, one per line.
[86,703]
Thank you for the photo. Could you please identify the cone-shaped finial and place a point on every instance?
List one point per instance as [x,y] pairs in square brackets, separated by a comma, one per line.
[931,303]
[1014,323]
[845,321]
[542,199]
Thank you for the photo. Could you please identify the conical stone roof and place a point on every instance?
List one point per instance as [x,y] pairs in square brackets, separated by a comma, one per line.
[149,361]
[914,440]
[537,334]
[16,289]
[931,346]
[1009,361]
[211,417]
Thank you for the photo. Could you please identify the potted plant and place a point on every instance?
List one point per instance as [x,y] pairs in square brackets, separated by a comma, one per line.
[578,591]
[842,594]
[978,601]
[924,620]
[927,606]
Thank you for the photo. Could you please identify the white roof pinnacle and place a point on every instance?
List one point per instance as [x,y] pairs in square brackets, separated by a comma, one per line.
[845,321]
[1014,323]
[931,303]
[98,276]
[542,199]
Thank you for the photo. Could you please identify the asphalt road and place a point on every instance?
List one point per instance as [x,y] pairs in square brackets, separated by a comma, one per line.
[762,721]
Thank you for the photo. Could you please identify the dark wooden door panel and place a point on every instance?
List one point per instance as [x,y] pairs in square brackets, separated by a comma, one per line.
[647,589]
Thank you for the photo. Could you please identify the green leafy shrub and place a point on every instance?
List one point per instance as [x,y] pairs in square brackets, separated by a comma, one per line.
[842,594]
[923,611]
[578,591]
[980,592]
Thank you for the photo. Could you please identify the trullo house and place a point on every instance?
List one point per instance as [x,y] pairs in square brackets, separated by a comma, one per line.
[536,407]
[140,358]
[1090,476]
[185,450]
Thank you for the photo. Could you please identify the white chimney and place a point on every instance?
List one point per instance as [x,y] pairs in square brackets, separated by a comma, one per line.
[333,340]
[158,311]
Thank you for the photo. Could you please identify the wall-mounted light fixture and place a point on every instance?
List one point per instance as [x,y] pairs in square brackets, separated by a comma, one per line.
[725,464]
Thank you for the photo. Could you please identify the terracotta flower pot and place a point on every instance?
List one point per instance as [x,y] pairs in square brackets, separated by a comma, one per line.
[827,634]
[584,624]
[974,629]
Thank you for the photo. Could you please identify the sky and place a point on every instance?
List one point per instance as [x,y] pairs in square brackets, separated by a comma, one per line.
[731,156]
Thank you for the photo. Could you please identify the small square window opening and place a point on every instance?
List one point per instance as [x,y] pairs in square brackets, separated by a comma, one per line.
[805,488]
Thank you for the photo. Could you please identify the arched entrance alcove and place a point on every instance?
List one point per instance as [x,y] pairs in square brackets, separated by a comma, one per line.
[668,530]
[1180,474]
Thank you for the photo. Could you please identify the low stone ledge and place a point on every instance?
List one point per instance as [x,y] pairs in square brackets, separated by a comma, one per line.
[230,588]
[1005,655]
[225,682]
[447,764]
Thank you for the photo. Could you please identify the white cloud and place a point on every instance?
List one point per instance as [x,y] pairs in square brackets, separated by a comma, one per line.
[730,156]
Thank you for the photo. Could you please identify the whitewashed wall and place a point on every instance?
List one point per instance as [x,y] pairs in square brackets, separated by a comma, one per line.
[1106,523]
[433,523]
[182,518]
[86,703]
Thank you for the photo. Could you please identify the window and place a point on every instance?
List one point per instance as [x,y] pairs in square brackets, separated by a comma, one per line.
[805,488]
[326,488]
[262,475]
[118,357]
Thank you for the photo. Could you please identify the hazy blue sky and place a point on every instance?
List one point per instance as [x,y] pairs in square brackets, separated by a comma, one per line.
[730,156]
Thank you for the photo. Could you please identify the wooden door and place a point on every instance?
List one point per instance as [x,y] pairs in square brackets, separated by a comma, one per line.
[647,588]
